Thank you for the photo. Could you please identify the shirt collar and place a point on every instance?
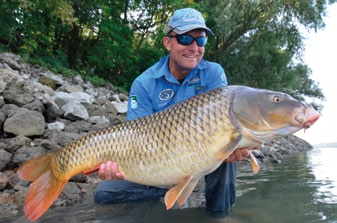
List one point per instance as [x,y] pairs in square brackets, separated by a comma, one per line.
[165,72]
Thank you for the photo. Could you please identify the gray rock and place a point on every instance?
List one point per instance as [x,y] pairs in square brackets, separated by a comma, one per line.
[3,181]
[123,97]
[99,126]
[78,80]
[35,105]
[7,77]
[110,108]
[9,109]
[18,142]
[73,88]
[48,82]
[121,107]
[17,183]
[75,111]
[96,110]
[78,126]
[52,111]
[2,101]
[5,158]
[115,119]
[12,60]
[25,122]
[57,78]
[71,192]
[27,152]
[99,101]
[62,98]
[2,118]
[14,94]
[98,119]
[62,138]
[84,98]
[56,125]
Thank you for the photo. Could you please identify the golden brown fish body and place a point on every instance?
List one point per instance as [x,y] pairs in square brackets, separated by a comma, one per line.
[173,147]
[158,149]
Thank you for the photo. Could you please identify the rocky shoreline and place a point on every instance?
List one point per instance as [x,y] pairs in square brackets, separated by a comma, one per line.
[41,112]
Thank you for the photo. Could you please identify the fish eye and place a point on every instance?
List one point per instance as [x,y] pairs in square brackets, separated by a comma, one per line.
[277,99]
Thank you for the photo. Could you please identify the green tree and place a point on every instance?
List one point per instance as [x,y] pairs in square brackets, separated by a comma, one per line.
[260,45]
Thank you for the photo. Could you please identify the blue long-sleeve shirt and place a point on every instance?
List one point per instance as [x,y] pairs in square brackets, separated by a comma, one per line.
[156,88]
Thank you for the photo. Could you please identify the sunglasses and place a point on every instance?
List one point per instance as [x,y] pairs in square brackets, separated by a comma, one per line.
[187,40]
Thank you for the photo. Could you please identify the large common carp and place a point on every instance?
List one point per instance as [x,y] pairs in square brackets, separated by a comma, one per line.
[172,147]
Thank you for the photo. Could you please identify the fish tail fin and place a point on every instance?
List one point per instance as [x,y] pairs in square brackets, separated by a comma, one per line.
[45,187]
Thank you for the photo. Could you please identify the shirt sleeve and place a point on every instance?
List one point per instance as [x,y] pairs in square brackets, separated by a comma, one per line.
[217,77]
[139,103]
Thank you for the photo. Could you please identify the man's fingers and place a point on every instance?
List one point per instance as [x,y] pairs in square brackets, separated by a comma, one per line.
[245,152]
[238,155]
[101,171]
[109,171]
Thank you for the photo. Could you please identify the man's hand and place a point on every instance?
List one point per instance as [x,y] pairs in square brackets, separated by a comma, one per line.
[109,171]
[238,155]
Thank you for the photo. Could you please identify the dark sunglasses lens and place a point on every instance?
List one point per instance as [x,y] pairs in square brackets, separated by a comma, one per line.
[188,40]
[185,40]
[201,41]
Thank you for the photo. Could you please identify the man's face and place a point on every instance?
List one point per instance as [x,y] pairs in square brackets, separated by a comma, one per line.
[184,58]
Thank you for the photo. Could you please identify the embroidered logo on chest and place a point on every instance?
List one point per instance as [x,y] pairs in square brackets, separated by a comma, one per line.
[166,94]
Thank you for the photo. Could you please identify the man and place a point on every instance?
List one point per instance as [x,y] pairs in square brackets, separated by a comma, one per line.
[178,76]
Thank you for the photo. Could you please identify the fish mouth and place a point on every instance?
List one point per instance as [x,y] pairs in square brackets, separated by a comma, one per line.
[308,117]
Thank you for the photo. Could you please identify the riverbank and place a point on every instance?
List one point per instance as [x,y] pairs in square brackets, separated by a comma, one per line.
[41,112]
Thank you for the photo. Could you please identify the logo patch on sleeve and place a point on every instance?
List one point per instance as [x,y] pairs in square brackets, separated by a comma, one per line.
[133,101]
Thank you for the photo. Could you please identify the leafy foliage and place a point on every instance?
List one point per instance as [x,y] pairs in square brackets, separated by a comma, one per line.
[257,42]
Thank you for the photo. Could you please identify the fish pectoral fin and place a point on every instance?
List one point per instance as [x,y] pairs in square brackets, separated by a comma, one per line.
[255,164]
[221,155]
[180,192]
[92,169]
[225,152]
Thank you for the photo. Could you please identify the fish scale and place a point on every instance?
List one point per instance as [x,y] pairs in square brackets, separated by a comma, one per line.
[172,147]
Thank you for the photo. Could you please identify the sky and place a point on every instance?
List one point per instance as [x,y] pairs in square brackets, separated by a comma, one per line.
[320,56]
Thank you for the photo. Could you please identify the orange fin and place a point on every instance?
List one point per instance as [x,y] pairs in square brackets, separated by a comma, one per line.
[45,187]
[92,169]
[255,164]
[174,193]
[187,191]
[34,168]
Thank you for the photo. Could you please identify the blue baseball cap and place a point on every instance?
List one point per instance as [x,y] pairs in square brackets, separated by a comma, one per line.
[185,20]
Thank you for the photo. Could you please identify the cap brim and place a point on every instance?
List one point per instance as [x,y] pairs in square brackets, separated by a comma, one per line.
[190,28]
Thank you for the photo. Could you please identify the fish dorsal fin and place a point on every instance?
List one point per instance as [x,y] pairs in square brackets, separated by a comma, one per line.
[180,192]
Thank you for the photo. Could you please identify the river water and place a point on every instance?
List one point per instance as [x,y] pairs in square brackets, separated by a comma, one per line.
[303,188]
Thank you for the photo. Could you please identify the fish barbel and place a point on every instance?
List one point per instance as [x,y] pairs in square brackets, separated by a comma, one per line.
[172,147]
